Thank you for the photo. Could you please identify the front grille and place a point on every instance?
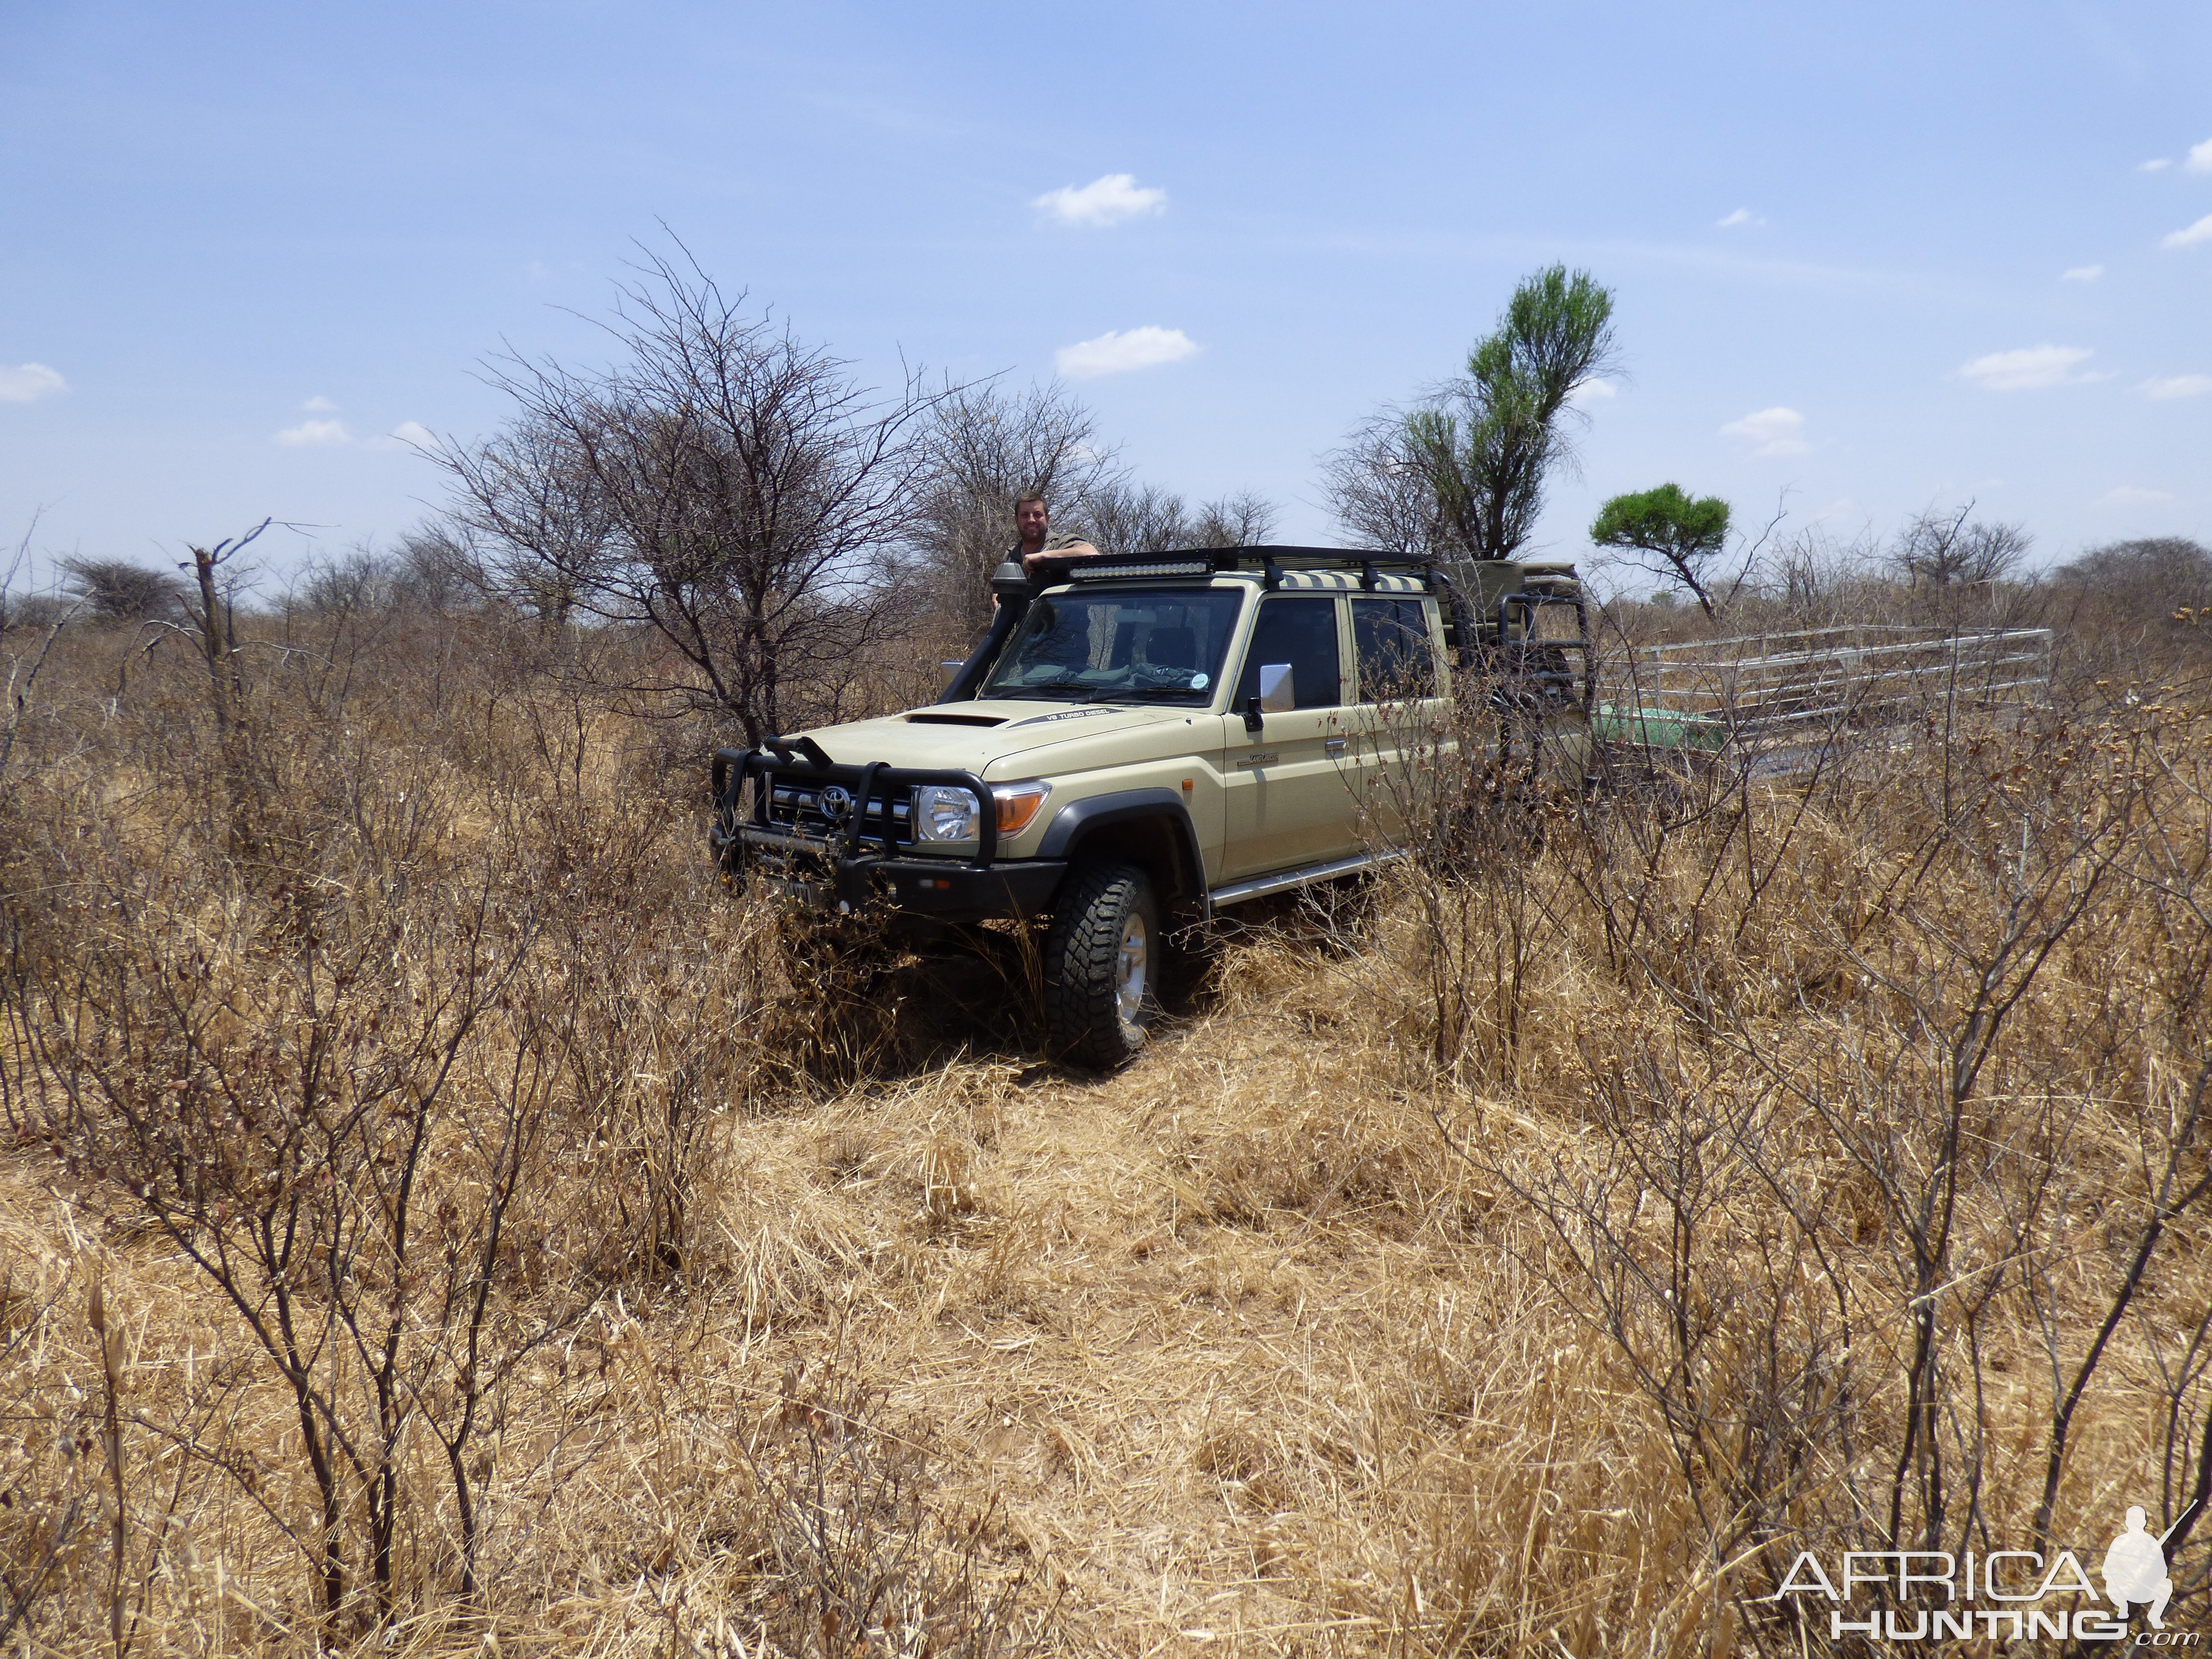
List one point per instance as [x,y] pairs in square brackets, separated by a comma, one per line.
[797,808]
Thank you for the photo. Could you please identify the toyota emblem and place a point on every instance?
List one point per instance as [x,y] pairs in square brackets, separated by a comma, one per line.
[836,801]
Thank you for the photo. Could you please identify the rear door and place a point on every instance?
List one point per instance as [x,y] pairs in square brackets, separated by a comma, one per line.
[1398,715]
[1287,790]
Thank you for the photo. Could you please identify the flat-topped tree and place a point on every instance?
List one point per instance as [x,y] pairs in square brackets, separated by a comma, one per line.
[118,591]
[1667,533]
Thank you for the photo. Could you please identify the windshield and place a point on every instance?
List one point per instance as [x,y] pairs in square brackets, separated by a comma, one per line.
[1156,645]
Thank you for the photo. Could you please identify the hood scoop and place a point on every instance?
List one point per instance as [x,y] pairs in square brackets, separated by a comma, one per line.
[956,720]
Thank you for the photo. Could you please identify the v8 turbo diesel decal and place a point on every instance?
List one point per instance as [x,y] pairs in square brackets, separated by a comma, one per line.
[1065,714]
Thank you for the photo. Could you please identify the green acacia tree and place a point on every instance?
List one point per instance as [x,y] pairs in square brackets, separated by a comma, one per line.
[1668,532]
[1485,446]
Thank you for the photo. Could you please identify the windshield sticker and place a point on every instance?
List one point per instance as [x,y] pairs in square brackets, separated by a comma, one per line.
[1198,682]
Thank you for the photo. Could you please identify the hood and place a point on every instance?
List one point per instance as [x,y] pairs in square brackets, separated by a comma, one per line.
[996,739]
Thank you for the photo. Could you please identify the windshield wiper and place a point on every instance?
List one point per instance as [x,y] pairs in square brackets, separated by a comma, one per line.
[1041,688]
[1087,692]
[1138,693]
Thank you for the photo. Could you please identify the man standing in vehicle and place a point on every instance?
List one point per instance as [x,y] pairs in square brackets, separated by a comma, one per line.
[1033,529]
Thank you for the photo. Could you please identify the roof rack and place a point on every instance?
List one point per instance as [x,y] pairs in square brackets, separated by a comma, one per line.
[1270,560]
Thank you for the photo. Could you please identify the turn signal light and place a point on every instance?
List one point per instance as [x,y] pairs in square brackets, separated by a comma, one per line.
[1017,806]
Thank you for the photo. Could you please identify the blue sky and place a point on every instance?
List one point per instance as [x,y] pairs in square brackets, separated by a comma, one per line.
[241,245]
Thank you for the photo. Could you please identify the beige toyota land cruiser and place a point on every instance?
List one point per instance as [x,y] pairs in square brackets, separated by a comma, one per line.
[1146,739]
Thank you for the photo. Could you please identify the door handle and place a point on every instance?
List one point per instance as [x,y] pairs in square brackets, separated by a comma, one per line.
[1334,745]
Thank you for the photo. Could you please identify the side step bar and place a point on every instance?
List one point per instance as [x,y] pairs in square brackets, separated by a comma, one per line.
[1259,886]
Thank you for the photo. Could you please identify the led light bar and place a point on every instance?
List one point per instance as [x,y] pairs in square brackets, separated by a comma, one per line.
[1093,570]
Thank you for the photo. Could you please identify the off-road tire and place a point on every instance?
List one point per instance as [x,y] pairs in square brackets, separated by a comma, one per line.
[1086,1021]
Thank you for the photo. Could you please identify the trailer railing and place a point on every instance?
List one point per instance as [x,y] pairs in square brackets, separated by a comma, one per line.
[1789,696]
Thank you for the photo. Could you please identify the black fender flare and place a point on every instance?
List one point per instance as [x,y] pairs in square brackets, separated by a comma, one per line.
[1079,818]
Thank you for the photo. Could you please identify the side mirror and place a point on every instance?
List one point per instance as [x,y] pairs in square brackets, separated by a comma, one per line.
[1277,695]
[1252,721]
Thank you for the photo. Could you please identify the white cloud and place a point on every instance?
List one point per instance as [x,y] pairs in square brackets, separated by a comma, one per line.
[1116,352]
[313,433]
[1741,216]
[1106,201]
[408,435]
[2028,370]
[26,383]
[319,406]
[2199,232]
[2156,164]
[1590,393]
[2200,157]
[1771,432]
[2081,274]
[2176,385]
[2129,496]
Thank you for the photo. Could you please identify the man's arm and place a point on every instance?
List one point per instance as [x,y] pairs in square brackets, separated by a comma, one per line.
[1072,550]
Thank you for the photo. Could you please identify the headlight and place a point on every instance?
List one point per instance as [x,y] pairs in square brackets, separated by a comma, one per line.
[944,811]
[1017,806]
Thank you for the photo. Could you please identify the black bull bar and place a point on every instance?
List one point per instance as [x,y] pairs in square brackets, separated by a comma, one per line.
[736,839]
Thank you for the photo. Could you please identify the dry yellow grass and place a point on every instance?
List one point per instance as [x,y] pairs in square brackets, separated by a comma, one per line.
[1316,1331]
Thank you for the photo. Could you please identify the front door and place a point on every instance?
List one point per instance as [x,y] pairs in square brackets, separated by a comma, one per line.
[1287,788]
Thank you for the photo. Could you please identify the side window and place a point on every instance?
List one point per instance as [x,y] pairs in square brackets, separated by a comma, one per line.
[1301,632]
[1396,658]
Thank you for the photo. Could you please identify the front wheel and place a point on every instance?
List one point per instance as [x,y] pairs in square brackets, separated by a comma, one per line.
[1101,960]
